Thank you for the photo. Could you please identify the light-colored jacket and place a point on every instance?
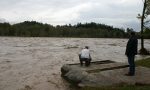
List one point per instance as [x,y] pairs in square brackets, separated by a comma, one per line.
[85,53]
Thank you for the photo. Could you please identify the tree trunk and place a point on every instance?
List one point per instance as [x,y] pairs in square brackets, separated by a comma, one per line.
[142,25]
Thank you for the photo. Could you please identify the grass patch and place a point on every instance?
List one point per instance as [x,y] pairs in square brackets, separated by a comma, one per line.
[143,62]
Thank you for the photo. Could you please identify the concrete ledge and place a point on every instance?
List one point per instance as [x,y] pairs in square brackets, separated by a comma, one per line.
[104,73]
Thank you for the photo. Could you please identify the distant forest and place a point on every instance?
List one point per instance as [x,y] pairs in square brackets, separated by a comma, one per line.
[86,30]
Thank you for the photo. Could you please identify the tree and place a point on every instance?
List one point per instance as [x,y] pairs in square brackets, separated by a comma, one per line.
[147,22]
[145,13]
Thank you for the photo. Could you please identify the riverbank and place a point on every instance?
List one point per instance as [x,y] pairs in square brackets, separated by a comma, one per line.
[142,62]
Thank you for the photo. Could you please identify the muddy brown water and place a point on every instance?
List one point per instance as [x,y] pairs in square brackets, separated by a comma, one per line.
[34,63]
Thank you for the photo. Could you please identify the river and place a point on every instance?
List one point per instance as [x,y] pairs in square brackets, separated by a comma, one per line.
[34,63]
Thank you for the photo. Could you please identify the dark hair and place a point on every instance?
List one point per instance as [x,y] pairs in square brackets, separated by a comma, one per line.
[86,47]
[132,33]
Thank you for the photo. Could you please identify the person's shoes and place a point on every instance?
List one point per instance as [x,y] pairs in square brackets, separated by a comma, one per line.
[128,74]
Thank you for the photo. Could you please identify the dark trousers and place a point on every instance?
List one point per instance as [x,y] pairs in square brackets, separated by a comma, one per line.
[86,60]
[131,64]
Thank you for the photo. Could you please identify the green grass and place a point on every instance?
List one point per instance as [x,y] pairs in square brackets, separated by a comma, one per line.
[143,62]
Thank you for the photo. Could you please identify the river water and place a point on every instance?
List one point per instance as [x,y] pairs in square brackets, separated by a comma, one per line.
[34,63]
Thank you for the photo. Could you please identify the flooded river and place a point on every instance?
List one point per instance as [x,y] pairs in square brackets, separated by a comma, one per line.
[34,63]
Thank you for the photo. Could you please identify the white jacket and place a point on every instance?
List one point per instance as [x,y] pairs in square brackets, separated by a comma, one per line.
[85,53]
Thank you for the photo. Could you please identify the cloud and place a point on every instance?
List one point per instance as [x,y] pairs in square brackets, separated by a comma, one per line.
[119,13]
[2,20]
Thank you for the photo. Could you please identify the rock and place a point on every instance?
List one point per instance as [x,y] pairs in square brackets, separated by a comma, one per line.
[65,69]
[104,73]
[76,76]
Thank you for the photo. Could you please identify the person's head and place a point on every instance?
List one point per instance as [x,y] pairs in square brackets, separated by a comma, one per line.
[132,33]
[86,47]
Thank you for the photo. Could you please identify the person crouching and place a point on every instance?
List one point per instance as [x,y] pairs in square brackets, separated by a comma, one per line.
[85,56]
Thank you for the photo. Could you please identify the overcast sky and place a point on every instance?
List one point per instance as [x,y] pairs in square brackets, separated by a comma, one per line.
[119,13]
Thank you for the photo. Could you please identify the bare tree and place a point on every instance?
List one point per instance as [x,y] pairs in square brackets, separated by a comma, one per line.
[145,13]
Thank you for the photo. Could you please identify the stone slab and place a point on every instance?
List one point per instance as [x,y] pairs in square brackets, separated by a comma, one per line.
[105,74]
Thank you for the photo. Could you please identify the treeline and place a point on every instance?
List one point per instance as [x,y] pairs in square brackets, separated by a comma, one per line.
[36,29]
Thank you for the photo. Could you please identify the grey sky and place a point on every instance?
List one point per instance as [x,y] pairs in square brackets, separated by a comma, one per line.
[119,13]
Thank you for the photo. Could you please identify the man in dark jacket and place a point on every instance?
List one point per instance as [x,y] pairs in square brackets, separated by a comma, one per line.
[131,51]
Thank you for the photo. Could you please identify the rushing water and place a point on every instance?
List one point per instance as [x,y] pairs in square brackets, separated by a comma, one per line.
[34,63]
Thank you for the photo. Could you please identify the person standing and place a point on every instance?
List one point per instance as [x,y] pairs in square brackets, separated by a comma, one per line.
[85,56]
[131,51]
